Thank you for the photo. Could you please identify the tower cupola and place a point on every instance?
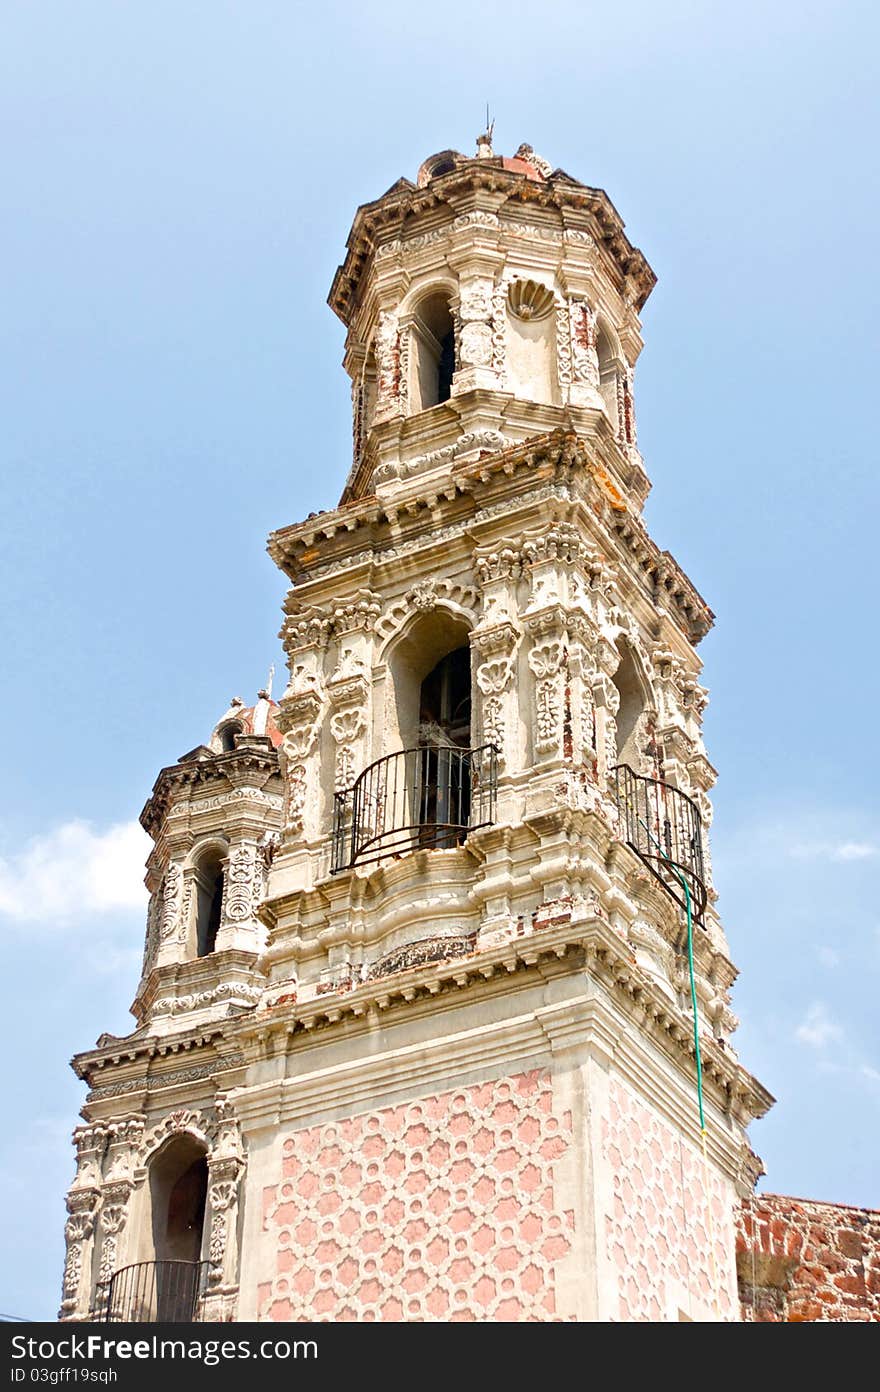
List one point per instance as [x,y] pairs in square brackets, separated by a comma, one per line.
[492,300]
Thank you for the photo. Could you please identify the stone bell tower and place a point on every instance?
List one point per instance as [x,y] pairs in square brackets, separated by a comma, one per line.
[444,1066]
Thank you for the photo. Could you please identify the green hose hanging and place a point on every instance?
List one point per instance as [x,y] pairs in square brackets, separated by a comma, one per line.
[690,947]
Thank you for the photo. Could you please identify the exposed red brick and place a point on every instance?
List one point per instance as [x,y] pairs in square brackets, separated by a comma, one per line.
[803,1261]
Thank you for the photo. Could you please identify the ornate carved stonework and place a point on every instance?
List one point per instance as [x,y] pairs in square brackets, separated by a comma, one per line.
[493,679]
[172,888]
[114,1213]
[546,661]
[80,1225]
[241,882]
[406,1029]
[389,379]
[582,330]
[415,954]
[563,350]
[528,299]
[346,726]
[476,345]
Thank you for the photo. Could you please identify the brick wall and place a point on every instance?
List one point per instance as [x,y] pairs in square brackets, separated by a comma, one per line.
[800,1260]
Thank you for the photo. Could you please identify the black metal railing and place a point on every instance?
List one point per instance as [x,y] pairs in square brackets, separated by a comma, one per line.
[663,826]
[158,1292]
[420,798]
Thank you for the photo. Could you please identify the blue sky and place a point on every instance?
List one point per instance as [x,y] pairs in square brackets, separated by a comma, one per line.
[178,183]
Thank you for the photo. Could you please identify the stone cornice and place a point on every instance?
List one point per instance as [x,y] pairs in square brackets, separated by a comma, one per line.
[608,960]
[300,548]
[227,769]
[582,1019]
[115,1051]
[670,584]
[385,217]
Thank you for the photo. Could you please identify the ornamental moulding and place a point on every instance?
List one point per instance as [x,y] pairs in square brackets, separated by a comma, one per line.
[152,1082]
[608,957]
[256,795]
[428,595]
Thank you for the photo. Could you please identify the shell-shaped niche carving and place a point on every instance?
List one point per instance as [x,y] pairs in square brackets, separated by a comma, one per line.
[529,300]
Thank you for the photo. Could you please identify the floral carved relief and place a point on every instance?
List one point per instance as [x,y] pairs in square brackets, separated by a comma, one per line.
[172,889]
[546,662]
[240,881]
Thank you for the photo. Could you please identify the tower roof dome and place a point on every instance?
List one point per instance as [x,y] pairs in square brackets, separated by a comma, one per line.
[239,719]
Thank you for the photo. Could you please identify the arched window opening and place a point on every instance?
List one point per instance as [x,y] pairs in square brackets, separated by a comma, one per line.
[227,736]
[630,727]
[178,1197]
[429,787]
[445,701]
[422,692]
[209,902]
[433,335]
[445,727]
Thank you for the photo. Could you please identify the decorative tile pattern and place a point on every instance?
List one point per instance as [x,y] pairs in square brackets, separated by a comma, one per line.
[440,1209]
[657,1225]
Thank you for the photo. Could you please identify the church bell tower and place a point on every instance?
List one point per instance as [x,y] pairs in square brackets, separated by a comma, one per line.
[443,1063]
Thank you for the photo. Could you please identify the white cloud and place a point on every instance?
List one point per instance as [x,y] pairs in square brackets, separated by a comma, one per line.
[828,956]
[854,850]
[833,850]
[817,1027]
[73,872]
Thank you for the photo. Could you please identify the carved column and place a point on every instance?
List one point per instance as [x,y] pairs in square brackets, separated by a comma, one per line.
[78,1233]
[494,642]
[226,1167]
[114,1213]
[499,334]
[582,329]
[82,1202]
[171,909]
[546,660]
[581,659]
[474,365]
[223,1186]
[626,415]
[241,888]
[300,715]
[495,647]
[607,704]
[390,380]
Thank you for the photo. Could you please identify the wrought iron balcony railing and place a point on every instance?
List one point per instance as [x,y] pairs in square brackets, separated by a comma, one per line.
[158,1292]
[427,797]
[664,828]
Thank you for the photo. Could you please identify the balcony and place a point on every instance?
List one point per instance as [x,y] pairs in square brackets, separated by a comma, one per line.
[416,799]
[158,1292]
[664,828]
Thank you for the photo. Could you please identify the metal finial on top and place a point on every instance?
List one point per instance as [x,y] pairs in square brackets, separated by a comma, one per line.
[484,141]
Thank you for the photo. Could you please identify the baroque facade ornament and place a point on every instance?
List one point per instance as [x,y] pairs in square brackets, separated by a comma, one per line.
[241,882]
[172,887]
[546,661]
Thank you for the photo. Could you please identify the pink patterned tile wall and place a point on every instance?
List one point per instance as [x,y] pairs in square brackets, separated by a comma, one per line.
[444,1208]
[657,1226]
